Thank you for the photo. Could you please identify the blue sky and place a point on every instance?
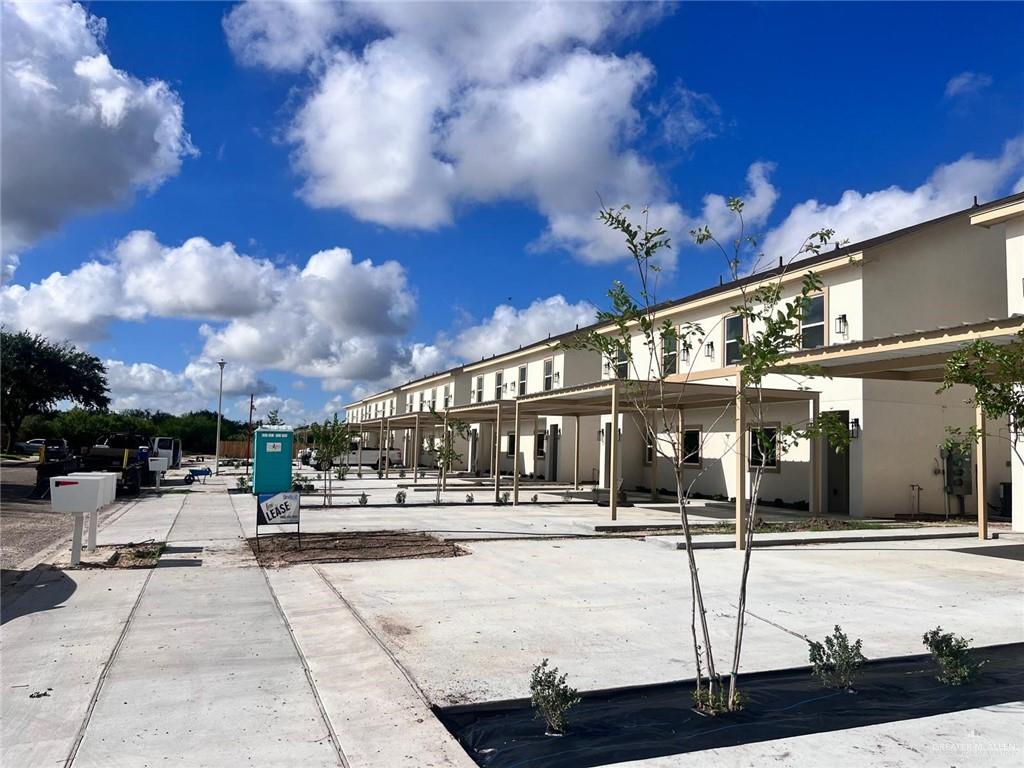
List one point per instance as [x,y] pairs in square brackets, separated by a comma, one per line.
[460,150]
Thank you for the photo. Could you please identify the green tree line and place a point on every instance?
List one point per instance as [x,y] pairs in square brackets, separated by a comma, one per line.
[80,426]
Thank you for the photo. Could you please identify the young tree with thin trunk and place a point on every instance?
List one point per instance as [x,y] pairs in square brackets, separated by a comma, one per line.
[633,334]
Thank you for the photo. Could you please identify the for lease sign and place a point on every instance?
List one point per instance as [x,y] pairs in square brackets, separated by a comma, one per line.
[277,509]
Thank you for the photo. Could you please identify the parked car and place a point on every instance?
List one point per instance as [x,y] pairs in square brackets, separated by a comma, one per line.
[29,447]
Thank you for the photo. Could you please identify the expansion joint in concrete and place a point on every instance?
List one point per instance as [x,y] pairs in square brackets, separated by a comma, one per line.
[335,742]
[373,635]
[105,671]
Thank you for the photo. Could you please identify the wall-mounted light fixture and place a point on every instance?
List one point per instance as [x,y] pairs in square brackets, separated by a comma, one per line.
[557,377]
[842,327]
[684,354]
[854,428]
[600,434]
[709,349]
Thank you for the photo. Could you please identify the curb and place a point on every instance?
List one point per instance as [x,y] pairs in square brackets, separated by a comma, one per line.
[697,544]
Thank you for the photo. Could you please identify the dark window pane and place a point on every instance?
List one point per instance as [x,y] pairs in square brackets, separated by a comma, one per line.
[812,337]
[691,446]
[815,312]
[734,327]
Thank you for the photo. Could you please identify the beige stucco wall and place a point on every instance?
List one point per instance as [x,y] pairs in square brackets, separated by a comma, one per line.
[944,275]
[903,426]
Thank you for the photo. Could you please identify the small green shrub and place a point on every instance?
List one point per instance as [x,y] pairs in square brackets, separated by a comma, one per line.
[380,474]
[400,497]
[534,498]
[401,474]
[363,499]
[505,497]
[242,483]
[836,661]
[551,697]
[717,702]
[469,498]
[952,655]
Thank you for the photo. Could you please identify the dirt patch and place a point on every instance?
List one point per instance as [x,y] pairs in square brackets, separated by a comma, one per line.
[122,556]
[279,550]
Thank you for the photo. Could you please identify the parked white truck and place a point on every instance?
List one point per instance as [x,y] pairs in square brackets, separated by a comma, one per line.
[370,457]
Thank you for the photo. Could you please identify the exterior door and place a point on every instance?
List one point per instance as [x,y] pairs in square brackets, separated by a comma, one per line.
[837,476]
[553,453]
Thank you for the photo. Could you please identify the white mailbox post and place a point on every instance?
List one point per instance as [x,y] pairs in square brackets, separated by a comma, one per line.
[107,493]
[158,464]
[77,496]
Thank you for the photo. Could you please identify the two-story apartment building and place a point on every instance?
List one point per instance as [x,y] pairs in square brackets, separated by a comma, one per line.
[938,274]
[964,268]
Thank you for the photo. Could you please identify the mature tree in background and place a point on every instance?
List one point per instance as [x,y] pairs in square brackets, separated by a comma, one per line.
[274,418]
[37,374]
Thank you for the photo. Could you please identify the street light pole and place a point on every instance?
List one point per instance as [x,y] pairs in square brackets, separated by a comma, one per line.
[220,403]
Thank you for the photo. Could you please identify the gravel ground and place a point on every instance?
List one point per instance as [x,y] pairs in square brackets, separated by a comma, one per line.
[27,527]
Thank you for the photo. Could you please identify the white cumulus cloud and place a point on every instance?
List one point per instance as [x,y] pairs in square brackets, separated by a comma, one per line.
[967,82]
[78,133]
[150,387]
[418,109]
[861,215]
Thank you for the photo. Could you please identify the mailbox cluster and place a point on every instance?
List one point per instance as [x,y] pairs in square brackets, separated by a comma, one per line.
[81,494]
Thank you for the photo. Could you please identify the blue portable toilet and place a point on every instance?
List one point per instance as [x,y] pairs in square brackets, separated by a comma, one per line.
[272,460]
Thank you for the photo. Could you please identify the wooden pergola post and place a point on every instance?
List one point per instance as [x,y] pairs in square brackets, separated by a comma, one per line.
[576,456]
[741,465]
[444,447]
[359,456]
[380,447]
[814,504]
[416,450]
[515,461]
[613,481]
[980,491]
[654,461]
[497,455]
[387,455]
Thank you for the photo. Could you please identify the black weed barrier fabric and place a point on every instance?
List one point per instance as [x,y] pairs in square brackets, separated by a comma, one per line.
[657,720]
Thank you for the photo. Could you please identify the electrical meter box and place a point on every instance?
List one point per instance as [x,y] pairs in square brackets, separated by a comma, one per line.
[272,460]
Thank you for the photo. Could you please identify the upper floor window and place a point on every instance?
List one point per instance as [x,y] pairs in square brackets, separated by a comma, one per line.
[499,380]
[733,337]
[621,364]
[408,403]
[433,399]
[447,395]
[422,398]
[479,389]
[812,325]
[522,379]
[669,355]
[549,374]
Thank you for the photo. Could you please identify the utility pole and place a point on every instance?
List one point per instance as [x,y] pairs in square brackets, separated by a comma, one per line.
[220,403]
[248,442]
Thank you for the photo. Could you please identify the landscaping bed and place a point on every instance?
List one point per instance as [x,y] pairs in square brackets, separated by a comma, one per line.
[123,556]
[284,549]
[658,720]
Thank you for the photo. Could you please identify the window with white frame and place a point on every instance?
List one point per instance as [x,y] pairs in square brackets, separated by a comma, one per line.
[433,399]
[540,445]
[669,354]
[408,403]
[422,398]
[764,447]
[621,364]
[510,445]
[650,448]
[733,338]
[812,324]
[549,374]
[499,380]
[447,395]
[522,380]
[479,389]
[691,447]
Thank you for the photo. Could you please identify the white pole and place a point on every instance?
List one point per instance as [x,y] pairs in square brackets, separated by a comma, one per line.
[76,539]
[220,403]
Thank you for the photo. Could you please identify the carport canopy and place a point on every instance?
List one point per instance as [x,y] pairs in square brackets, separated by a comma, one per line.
[614,396]
[917,356]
